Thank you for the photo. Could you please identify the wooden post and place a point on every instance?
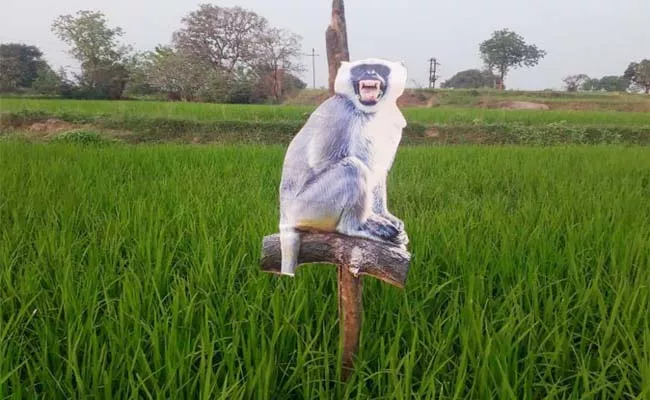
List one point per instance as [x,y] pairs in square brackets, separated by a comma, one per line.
[354,257]
[350,286]
[350,316]
[336,40]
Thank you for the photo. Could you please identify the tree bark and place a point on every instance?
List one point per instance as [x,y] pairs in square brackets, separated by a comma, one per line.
[336,39]
[362,256]
[501,76]
[350,316]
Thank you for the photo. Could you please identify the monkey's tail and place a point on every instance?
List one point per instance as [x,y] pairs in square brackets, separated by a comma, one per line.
[290,248]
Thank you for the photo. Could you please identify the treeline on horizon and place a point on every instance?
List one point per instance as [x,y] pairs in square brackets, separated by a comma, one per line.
[220,54]
[233,55]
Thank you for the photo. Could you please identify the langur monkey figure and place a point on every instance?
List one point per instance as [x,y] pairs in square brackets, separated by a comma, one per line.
[335,168]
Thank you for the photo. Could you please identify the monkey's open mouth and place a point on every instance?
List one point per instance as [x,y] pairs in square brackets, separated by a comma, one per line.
[369,90]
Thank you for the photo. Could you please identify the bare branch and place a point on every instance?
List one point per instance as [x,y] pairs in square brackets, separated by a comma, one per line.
[225,36]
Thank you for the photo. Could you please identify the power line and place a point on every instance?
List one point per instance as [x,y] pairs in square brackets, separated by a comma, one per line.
[313,56]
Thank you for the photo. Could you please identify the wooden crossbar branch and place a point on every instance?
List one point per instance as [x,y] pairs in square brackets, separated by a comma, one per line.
[383,261]
[354,257]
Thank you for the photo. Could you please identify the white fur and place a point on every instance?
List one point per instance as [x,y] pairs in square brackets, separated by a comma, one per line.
[397,83]
[384,129]
[376,139]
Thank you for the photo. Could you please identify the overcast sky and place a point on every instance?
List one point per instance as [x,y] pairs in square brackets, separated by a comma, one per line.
[596,37]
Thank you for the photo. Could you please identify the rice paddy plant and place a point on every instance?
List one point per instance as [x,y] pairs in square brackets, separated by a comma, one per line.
[237,112]
[132,272]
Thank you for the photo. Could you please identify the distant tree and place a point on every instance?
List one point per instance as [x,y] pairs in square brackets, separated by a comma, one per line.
[138,83]
[20,65]
[292,83]
[104,80]
[506,50]
[638,73]
[249,58]
[591,85]
[471,79]
[47,81]
[182,76]
[573,83]
[224,37]
[95,46]
[612,83]
[244,87]
[275,60]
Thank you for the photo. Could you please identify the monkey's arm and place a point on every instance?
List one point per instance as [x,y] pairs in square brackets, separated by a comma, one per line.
[329,136]
[379,203]
[379,207]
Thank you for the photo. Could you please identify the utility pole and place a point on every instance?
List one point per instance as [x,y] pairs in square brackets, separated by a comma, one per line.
[433,67]
[313,56]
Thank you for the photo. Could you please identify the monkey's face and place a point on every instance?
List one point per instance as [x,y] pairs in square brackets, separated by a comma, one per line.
[371,82]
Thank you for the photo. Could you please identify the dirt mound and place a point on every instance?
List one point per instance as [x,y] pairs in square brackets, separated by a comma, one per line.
[412,98]
[432,132]
[522,105]
[51,126]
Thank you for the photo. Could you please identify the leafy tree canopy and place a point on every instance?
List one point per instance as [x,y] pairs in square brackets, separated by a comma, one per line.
[471,79]
[20,65]
[95,45]
[506,50]
[639,74]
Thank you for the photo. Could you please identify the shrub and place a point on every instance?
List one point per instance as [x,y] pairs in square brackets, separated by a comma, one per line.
[81,137]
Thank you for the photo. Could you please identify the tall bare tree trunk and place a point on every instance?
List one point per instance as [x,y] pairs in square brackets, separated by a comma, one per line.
[336,39]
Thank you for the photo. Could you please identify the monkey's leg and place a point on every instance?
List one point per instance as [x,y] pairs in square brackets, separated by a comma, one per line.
[379,205]
[346,186]
[339,199]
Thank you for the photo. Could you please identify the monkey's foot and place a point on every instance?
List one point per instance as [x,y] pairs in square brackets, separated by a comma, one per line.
[402,239]
[384,229]
[399,224]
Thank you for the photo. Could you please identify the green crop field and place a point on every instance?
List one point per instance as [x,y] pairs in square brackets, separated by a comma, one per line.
[132,272]
[202,112]
[490,98]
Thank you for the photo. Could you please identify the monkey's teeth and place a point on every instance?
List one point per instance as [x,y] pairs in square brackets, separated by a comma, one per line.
[369,90]
[369,84]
